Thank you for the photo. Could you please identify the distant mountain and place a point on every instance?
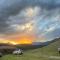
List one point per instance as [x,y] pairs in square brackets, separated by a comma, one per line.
[6,44]
[45,43]
[36,44]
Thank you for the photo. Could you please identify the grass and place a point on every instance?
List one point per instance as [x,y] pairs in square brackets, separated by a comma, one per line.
[43,53]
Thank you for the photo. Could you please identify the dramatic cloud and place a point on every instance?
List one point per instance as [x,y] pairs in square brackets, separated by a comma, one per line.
[38,17]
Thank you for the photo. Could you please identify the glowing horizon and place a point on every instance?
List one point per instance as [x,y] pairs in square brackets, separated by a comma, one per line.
[20,39]
[17,40]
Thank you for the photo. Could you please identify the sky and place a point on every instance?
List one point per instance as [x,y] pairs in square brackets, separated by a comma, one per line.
[26,21]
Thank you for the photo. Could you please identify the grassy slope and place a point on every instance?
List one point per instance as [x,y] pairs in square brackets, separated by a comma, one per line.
[37,54]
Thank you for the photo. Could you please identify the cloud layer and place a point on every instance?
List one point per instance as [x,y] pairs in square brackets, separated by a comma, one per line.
[39,17]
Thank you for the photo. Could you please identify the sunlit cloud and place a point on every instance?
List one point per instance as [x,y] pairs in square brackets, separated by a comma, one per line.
[28,27]
[32,11]
[50,29]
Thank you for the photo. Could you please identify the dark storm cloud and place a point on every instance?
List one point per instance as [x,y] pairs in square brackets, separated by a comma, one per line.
[13,7]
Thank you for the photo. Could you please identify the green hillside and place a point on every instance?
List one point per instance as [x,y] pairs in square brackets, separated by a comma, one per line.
[45,53]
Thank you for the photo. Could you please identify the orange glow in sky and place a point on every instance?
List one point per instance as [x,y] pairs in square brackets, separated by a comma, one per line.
[20,39]
[24,39]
